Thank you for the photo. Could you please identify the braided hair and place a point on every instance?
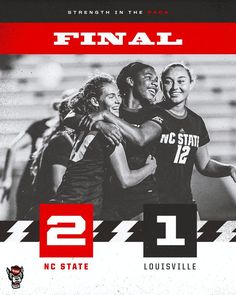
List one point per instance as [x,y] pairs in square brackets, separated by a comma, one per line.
[130,70]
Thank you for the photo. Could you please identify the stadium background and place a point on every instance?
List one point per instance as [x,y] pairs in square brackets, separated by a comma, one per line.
[30,84]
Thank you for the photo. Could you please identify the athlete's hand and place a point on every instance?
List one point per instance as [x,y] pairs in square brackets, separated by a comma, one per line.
[233,172]
[89,120]
[110,131]
[151,161]
[7,183]
[5,188]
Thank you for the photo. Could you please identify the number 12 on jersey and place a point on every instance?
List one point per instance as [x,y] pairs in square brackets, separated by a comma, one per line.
[182,154]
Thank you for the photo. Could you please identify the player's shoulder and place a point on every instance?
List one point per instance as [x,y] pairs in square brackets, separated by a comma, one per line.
[194,115]
[58,138]
[156,111]
[40,123]
[44,121]
[62,138]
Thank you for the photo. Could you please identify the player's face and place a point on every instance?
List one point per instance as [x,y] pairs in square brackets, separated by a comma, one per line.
[110,98]
[145,86]
[176,85]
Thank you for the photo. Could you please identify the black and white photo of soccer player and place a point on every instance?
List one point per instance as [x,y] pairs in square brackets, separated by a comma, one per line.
[212,98]
[183,139]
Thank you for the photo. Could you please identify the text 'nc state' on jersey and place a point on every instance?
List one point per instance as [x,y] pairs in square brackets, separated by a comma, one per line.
[180,138]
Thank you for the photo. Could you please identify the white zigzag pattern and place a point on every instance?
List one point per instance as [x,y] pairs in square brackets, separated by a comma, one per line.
[17,231]
[96,224]
[122,234]
[200,224]
[226,231]
[121,231]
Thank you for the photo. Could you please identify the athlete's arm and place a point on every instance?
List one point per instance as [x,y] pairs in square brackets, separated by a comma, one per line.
[211,168]
[21,141]
[140,136]
[57,173]
[127,177]
[110,131]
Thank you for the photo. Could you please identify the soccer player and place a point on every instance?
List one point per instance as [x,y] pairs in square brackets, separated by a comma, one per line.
[183,141]
[138,85]
[33,137]
[180,135]
[51,162]
[86,172]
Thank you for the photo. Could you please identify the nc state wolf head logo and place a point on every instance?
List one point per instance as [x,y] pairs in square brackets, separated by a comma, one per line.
[15,275]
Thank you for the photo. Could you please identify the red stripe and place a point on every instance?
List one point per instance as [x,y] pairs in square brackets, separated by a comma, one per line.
[23,38]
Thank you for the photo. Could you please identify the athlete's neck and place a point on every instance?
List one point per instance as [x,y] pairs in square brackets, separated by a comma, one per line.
[178,110]
[132,103]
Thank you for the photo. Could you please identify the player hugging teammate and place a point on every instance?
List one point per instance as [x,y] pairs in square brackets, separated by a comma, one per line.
[129,150]
[170,131]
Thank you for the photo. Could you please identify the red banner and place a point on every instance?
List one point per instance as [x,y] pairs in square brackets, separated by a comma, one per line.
[110,38]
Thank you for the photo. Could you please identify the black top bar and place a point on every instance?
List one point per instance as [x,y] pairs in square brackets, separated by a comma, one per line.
[104,11]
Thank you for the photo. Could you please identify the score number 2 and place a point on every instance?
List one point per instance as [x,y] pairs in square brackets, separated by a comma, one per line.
[54,232]
[66,230]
